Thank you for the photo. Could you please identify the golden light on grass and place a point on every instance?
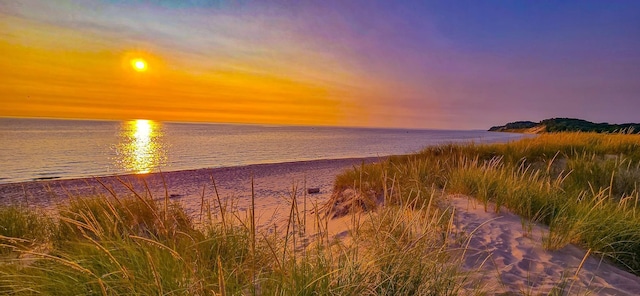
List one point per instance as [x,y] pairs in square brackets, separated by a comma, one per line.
[139,64]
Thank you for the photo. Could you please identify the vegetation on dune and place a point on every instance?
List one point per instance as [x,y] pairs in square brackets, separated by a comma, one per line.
[583,185]
[554,125]
[516,125]
[138,246]
[22,227]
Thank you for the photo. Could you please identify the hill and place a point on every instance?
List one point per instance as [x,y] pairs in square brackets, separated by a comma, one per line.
[554,125]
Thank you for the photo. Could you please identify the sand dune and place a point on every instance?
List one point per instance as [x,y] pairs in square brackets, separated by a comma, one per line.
[510,259]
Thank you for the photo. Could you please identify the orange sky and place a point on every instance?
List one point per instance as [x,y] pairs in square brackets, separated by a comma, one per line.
[102,84]
[53,69]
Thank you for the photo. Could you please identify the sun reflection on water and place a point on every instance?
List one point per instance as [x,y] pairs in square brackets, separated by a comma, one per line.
[141,148]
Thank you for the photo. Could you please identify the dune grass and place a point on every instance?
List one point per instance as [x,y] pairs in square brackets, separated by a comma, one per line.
[21,227]
[135,245]
[583,185]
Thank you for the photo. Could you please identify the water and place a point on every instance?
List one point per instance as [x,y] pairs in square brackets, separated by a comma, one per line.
[38,149]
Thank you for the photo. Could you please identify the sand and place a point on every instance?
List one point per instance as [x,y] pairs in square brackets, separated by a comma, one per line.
[273,185]
[507,258]
[511,258]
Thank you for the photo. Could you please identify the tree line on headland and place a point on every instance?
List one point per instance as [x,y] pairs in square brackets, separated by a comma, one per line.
[554,125]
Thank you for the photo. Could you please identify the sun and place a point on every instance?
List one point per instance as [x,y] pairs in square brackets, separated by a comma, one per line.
[139,65]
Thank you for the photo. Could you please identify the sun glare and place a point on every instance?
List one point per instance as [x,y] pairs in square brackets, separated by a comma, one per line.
[141,149]
[142,130]
[139,65]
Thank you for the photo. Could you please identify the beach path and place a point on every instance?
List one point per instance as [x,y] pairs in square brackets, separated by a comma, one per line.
[510,256]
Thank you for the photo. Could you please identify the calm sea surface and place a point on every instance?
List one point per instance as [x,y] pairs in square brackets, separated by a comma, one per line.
[37,149]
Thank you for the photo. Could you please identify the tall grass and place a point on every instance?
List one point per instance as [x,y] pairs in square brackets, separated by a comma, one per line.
[21,228]
[583,185]
[140,246]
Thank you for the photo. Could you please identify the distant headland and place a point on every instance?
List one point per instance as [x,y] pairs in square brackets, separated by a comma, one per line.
[554,125]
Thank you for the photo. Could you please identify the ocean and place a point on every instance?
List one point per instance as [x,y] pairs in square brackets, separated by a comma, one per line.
[43,149]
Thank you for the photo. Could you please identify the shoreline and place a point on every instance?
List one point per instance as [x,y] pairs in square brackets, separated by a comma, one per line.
[239,166]
[273,182]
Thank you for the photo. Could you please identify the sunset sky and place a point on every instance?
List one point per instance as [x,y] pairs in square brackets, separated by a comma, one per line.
[413,64]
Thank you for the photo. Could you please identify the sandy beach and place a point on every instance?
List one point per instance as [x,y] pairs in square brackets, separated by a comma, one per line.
[501,254]
[273,184]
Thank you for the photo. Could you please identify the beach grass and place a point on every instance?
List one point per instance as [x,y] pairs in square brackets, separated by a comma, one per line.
[135,245]
[21,227]
[585,186]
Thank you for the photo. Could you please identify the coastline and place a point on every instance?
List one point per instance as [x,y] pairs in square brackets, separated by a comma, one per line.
[57,150]
[272,184]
